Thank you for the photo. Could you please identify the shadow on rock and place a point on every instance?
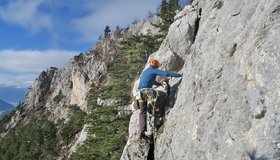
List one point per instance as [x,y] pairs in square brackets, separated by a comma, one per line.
[253,156]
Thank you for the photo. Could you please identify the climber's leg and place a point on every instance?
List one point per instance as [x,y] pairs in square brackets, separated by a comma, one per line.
[143,116]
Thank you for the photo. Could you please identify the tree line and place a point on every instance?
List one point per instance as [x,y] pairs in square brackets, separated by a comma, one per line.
[166,13]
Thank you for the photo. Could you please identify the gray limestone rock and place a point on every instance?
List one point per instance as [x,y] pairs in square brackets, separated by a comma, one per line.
[143,149]
[228,102]
[227,105]
[135,148]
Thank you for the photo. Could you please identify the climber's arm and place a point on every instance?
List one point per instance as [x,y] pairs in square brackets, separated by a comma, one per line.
[168,74]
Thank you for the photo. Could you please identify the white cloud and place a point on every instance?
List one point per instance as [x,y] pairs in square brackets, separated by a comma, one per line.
[117,12]
[20,80]
[87,18]
[27,14]
[33,60]
[19,68]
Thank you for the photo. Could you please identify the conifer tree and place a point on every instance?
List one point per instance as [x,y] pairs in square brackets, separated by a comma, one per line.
[163,14]
[167,12]
[107,31]
[174,7]
[163,9]
[117,32]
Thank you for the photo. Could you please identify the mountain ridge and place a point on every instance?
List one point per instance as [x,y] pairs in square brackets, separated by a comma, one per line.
[5,105]
[5,108]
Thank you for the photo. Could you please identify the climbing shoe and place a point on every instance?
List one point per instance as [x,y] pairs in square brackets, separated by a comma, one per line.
[142,135]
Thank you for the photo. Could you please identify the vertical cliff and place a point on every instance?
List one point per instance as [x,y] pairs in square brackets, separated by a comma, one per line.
[227,104]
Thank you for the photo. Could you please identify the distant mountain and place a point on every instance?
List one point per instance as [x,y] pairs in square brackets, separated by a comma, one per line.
[4,112]
[12,94]
[5,106]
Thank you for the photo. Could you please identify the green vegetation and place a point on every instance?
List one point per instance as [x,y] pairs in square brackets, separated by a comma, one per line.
[127,66]
[39,138]
[107,31]
[108,129]
[58,98]
[108,133]
[79,58]
[5,120]
[74,125]
[167,13]
[34,140]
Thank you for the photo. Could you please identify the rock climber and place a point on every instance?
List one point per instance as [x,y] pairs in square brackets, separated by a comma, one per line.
[147,80]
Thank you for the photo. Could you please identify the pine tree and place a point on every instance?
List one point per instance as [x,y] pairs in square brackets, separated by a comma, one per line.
[163,9]
[167,12]
[174,7]
[107,31]
[117,31]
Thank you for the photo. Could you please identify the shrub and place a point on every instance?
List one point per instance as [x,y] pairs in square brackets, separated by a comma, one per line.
[74,125]
[35,140]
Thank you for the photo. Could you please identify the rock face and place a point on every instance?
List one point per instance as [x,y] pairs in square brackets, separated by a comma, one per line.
[134,148]
[227,105]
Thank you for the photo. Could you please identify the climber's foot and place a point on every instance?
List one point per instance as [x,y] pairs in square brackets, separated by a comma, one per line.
[142,136]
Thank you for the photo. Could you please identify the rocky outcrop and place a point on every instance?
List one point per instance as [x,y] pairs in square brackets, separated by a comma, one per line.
[139,149]
[41,88]
[134,148]
[170,60]
[227,105]
[144,27]
[78,139]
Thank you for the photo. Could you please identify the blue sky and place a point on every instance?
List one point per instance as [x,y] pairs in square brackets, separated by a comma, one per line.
[37,34]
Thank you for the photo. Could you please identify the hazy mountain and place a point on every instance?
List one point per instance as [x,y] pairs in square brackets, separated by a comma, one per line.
[5,108]
[12,94]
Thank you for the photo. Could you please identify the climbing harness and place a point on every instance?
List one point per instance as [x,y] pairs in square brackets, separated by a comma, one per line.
[150,96]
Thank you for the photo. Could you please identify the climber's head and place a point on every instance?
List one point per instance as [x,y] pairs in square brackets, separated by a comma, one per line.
[154,63]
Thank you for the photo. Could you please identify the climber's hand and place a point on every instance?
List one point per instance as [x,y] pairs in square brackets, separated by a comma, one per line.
[163,83]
